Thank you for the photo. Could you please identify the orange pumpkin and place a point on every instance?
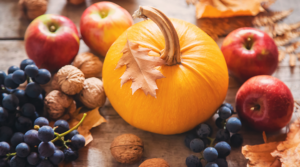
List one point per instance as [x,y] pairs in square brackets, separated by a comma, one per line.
[196,77]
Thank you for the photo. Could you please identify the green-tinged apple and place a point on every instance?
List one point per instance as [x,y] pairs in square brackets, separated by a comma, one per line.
[264,103]
[51,41]
[249,52]
[102,23]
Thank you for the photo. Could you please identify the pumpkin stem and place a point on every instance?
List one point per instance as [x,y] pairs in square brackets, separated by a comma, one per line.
[171,54]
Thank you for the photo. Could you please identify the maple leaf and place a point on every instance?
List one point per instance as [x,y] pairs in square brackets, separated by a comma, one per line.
[140,68]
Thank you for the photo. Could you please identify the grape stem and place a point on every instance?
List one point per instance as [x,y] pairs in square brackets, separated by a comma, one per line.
[59,136]
[212,140]
[10,154]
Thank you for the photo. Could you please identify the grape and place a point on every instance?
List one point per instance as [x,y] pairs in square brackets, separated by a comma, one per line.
[22,150]
[193,161]
[219,122]
[31,70]
[38,102]
[4,148]
[26,62]
[21,96]
[33,158]
[204,130]
[236,140]
[4,162]
[33,90]
[57,157]
[210,154]
[28,110]
[46,133]
[17,161]
[221,162]
[3,114]
[196,145]
[62,126]
[31,138]
[71,134]
[70,155]
[10,121]
[10,102]
[46,149]
[19,76]
[225,112]
[229,106]
[211,164]
[9,82]
[23,124]
[2,77]
[78,141]
[16,139]
[43,76]
[41,121]
[206,141]
[5,133]
[233,125]
[45,163]
[12,69]
[222,135]
[223,149]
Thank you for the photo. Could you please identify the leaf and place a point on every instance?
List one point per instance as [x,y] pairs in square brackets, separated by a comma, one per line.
[293,47]
[293,59]
[227,8]
[140,68]
[280,29]
[286,37]
[281,55]
[270,18]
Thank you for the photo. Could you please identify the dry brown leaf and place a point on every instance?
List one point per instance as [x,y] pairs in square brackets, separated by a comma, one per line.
[140,68]
[260,155]
[286,37]
[298,55]
[193,2]
[270,18]
[267,4]
[227,8]
[280,29]
[293,59]
[281,55]
[293,47]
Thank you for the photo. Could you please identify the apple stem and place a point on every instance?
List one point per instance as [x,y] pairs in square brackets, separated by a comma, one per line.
[52,28]
[252,108]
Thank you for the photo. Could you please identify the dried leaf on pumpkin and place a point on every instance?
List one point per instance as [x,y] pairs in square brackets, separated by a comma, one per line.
[227,8]
[140,68]
[270,18]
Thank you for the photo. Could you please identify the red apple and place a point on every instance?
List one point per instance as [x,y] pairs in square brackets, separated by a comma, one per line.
[249,52]
[102,23]
[264,103]
[51,41]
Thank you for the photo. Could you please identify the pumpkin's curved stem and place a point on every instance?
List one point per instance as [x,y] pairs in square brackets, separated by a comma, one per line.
[171,52]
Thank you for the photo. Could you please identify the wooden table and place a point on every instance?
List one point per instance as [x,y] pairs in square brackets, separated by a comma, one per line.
[171,148]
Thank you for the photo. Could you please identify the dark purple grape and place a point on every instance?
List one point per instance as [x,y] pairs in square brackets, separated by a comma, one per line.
[22,150]
[229,106]
[31,138]
[221,162]
[220,123]
[33,158]
[70,155]
[196,145]
[46,133]
[5,133]
[233,125]
[45,163]
[204,130]
[41,121]
[193,161]
[223,149]
[19,76]
[33,90]
[222,135]
[188,138]
[10,102]
[12,69]
[225,112]
[62,126]
[210,154]
[16,139]
[9,82]
[211,164]
[17,161]
[4,162]
[28,110]
[71,134]
[236,140]
[46,149]
[31,70]
[57,157]
[2,77]
[26,62]
[43,76]
[38,103]
[3,114]
[21,96]
[78,141]
[23,124]
[4,148]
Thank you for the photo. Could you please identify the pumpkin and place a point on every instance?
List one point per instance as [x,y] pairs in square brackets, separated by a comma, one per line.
[195,79]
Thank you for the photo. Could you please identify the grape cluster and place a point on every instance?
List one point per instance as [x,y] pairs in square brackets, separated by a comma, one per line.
[199,140]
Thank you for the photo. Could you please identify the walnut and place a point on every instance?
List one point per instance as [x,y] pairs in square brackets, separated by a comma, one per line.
[92,95]
[76,2]
[70,80]
[54,82]
[89,64]
[58,104]
[127,148]
[33,8]
[155,162]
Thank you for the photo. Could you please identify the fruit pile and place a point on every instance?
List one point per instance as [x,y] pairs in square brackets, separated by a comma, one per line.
[199,140]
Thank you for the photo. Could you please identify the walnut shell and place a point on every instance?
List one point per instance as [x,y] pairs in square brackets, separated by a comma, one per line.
[127,148]
[57,104]
[54,82]
[76,2]
[89,64]
[155,162]
[92,95]
[33,8]
[70,79]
